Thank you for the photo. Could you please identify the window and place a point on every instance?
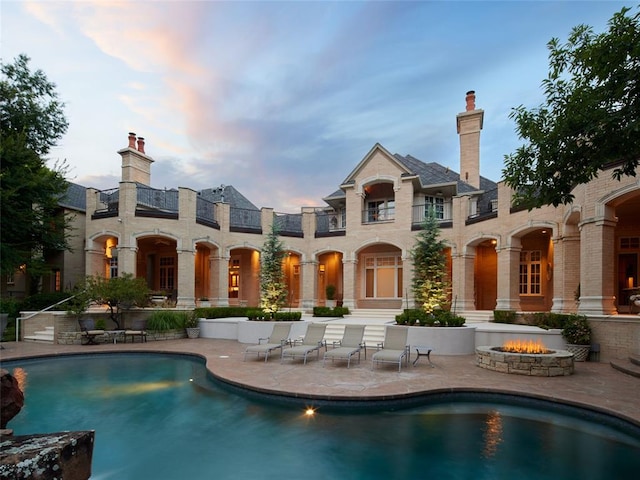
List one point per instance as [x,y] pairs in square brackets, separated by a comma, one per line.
[10,279]
[113,267]
[383,276]
[434,206]
[380,210]
[530,272]
[630,243]
[234,278]
[57,280]
[167,273]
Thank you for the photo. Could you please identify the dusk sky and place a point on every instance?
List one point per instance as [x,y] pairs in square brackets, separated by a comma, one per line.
[283,99]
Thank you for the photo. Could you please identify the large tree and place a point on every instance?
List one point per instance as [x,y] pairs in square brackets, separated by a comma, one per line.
[31,122]
[590,120]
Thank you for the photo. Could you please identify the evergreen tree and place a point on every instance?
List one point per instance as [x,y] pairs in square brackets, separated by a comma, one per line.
[272,286]
[31,122]
[430,286]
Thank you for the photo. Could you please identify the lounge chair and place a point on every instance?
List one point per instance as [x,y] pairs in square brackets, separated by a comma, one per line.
[350,344]
[312,342]
[89,330]
[394,348]
[138,329]
[277,340]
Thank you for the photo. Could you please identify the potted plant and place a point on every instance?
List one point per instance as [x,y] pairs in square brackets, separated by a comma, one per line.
[577,334]
[192,325]
[330,291]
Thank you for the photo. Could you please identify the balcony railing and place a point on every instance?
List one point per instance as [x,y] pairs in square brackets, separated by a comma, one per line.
[330,223]
[289,225]
[245,220]
[442,215]
[164,200]
[108,203]
[206,212]
[378,214]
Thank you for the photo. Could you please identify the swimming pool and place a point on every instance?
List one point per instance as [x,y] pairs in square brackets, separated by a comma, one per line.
[162,417]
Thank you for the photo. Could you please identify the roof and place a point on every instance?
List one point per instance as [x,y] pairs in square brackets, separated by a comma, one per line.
[75,198]
[227,194]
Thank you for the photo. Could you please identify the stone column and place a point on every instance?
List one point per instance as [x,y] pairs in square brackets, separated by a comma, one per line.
[463,280]
[349,271]
[309,285]
[597,255]
[186,278]
[220,279]
[509,276]
[566,272]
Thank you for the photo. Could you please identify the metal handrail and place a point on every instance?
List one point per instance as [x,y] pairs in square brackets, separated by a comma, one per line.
[41,311]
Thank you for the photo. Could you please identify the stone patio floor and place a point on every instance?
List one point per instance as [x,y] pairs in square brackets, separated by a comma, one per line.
[594,385]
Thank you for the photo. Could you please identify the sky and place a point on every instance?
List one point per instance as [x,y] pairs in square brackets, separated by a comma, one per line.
[282,99]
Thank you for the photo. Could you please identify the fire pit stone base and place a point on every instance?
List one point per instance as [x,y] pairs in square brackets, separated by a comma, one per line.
[556,364]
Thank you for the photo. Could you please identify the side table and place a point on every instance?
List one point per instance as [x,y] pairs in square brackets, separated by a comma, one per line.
[423,351]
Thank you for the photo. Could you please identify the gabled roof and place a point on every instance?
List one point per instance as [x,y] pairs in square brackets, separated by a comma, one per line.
[227,194]
[376,148]
[75,198]
[428,174]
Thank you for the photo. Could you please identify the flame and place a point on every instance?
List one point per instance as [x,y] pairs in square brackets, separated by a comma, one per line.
[524,346]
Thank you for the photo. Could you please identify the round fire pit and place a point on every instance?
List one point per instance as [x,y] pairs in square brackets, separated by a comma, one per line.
[554,363]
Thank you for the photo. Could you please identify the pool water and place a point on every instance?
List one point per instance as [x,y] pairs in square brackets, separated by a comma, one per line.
[161,417]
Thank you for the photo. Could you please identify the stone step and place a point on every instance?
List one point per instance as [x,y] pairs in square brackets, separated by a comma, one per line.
[477,316]
[373,334]
[45,336]
[635,359]
[628,366]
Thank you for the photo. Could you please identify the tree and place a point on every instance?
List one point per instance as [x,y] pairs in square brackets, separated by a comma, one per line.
[120,294]
[31,122]
[590,120]
[430,287]
[272,286]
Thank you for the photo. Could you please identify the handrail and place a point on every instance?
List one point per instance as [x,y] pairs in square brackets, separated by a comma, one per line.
[39,312]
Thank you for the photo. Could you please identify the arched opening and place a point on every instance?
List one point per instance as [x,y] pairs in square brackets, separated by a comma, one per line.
[486,275]
[379,281]
[157,261]
[627,251]
[330,273]
[244,277]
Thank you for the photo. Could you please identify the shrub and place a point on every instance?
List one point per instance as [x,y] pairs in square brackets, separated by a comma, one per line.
[577,331]
[288,316]
[163,320]
[223,312]
[439,318]
[330,312]
[504,316]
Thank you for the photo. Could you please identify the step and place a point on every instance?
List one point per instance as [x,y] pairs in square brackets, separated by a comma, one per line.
[373,334]
[635,359]
[627,366]
[477,316]
[46,335]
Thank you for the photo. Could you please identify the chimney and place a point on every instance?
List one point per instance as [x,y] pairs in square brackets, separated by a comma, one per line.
[132,140]
[471,100]
[136,165]
[469,125]
[141,144]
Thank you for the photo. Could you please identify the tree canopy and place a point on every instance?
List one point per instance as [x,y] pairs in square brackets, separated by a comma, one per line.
[31,122]
[119,293]
[590,120]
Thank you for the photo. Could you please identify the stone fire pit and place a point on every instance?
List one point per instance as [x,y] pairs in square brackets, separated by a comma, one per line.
[555,363]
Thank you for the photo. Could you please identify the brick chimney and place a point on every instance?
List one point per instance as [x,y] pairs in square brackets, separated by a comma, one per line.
[469,124]
[136,165]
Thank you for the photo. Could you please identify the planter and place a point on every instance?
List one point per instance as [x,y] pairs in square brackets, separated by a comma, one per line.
[580,352]
[193,332]
[444,340]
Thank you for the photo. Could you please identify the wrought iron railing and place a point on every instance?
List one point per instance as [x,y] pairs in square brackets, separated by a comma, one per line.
[288,223]
[165,200]
[245,218]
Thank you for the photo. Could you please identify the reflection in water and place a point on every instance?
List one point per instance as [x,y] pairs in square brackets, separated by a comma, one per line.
[135,388]
[492,434]
[20,374]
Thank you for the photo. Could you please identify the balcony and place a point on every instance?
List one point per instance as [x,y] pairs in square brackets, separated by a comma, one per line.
[205,213]
[378,215]
[442,214]
[245,220]
[330,224]
[152,202]
[288,224]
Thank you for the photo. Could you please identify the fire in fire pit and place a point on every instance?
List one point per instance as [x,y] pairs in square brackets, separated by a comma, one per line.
[524,346]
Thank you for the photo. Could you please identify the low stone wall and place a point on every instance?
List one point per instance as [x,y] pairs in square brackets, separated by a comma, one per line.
[559,363]
[76,338]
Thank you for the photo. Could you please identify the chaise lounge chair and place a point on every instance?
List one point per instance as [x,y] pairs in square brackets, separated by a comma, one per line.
[350,345]
[278,339]
[89,331]
[394,347]
[312,342]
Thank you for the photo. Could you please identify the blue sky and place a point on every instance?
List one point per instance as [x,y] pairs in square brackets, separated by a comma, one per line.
[282,99]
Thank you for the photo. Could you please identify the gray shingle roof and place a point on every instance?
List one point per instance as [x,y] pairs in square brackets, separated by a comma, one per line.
[75,198]
[229,195]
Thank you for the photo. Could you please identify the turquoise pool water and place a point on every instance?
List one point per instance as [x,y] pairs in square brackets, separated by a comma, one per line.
[161,417]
